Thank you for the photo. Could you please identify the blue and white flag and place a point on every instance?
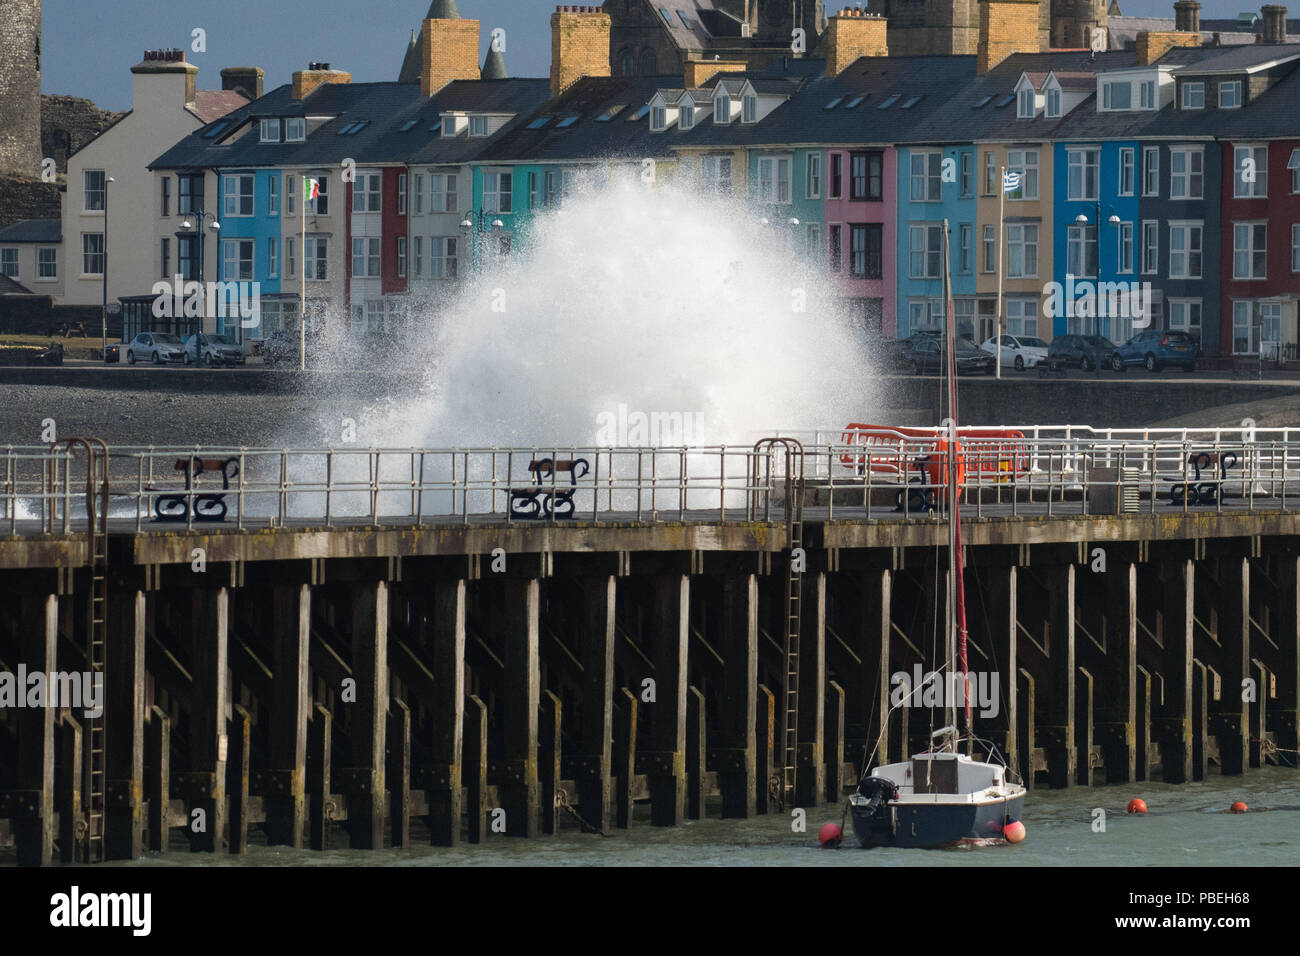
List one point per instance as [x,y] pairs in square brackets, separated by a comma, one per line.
[1011,180]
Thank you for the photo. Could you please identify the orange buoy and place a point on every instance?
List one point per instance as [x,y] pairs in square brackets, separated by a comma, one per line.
[1014,831]
[1238,807]
[1137,805]
[830,835]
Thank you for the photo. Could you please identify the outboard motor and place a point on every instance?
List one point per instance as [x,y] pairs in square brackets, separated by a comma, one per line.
[878,791]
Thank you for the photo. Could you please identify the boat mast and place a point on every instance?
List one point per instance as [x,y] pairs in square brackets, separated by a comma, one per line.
[956,587]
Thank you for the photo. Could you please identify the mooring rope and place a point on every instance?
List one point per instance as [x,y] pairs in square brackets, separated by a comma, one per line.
[562,802]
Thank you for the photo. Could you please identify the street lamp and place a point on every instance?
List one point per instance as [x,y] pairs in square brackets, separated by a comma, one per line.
[1082,220]
[103,309]
[189,227]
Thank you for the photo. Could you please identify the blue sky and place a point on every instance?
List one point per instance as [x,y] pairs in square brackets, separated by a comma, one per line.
[90,45]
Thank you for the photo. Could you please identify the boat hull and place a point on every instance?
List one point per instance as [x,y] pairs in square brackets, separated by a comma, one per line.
[912,824]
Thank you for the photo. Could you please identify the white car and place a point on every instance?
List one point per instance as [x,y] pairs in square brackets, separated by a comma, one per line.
[1018,352]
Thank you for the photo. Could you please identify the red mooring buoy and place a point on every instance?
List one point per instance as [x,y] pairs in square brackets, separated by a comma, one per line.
[1137,805]
[1014,831]
[1238,807]
[830,836]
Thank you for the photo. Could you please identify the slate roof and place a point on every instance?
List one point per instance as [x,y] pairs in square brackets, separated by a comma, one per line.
[10,287]
[1227,59]
[33,230]
[1271,115]
[211,105]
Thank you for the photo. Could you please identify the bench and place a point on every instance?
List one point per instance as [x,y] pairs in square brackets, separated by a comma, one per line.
[1053,365]
[69,329]
[207,507]
[545,501]
[1198,492]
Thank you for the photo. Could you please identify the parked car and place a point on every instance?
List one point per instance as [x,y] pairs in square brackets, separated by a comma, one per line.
[114,351]
[1022,352]
[210,350]
[156,347]
[1082,351]
[1156,348]
[925,353]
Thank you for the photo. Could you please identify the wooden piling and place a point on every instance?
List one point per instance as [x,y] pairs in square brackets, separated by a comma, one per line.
[1057,730]
[1284,719]
[370,714]
[448,707]
[1144,754]
[1200,701]
[69,795]
[1230,715]
[695,753]
[1025,732]
[594,773]
[810,781]
[766,771]
[33,821]
[475,767]
[237,778]
[399,774]
[877,632]
[1002,583]
[320,733]
[520,705]
[209,610]
[669,626]
[124,677]
[834,741]
[1116,725]
[285,790]
[550,760]
[739,646]
[1175,721]
[1083,726]
[158,768]
[625,757]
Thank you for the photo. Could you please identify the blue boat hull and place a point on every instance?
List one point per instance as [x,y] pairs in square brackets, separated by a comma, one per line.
[934,825]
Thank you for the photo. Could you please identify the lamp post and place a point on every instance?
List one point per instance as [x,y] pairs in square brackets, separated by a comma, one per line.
[189,226]
[103,308]
[1082,220]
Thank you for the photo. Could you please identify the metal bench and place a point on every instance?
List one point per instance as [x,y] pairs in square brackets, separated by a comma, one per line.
[207,507]
[1192,490]
[548,501]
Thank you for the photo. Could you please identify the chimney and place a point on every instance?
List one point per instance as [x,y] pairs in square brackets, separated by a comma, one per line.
[1187,16]
[244,79]
[448,50]
[1152,46]
[699,72]
[164,78]
[306,82]
[852,34]
[579,45]
[1274,23]
[1006,27]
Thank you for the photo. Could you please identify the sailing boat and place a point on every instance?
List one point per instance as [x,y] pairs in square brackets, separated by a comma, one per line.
[941,797]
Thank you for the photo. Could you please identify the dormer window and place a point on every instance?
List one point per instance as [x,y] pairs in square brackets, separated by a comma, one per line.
[1053,102]
[449,126]
[1230,94]
[722,110]
[658,119]
[686,119]
[1027,106]
[1117,95]
[749,109]
[478,126]
[1148,94]
[1194,96]
[270,132]
[295,129]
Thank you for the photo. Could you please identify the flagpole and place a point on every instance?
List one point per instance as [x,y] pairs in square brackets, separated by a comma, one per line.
[302,311]
[997,264]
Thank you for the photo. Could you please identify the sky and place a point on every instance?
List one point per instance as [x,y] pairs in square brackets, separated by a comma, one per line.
[89,46]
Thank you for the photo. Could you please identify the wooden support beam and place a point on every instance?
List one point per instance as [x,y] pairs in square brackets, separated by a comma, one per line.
[1175,722]
[695,753]
[124,676]
[625,757]
[520,705]
[766,771]
[399,774]
[1144,754]
[475,766]
[237,778]
[1025,729]
[1057,730]
[877,632]
[1200,728]
[550,761]
[285,797]
[320,733]
[33,821]
[739,648]
[158,779]
[1001,599]
[834,740]
[448,711]
[209,699]
[1284,716]
[810,781]
[1258,714]
[1116,703]
[1083,726]
[669,629]
[69,795]
[595,640]
[370,713]
[1231,712]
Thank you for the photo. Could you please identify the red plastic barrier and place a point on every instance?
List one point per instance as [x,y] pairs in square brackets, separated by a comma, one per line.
[985,452]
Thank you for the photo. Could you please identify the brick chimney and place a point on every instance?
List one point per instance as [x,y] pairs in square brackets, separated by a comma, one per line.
[448,51]
[163,80]
[1274,23]
[699,72]
[579,45]
[306,82]
[1187,16]
[1006,27]
[852,34]
[1151,46]
[244,79]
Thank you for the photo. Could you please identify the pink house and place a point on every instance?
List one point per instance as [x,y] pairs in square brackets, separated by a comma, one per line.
[861,190]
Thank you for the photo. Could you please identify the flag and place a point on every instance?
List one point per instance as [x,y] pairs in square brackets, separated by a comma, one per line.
[1011,180]
[310,189]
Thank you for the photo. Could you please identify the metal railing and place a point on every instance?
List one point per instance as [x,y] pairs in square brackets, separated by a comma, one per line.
[1053,470]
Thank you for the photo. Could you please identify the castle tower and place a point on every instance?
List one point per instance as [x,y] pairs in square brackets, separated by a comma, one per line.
[1073,21]
[20,89]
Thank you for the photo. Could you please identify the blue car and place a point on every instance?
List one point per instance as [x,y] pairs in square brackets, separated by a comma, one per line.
[1156,348]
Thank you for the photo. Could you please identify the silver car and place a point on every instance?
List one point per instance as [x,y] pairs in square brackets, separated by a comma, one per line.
[156,347]
[212,350]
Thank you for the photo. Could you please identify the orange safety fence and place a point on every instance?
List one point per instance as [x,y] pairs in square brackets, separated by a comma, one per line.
[984,453]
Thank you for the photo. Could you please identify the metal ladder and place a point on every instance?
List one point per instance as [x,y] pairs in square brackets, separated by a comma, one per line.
[794,495]
[95,783]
